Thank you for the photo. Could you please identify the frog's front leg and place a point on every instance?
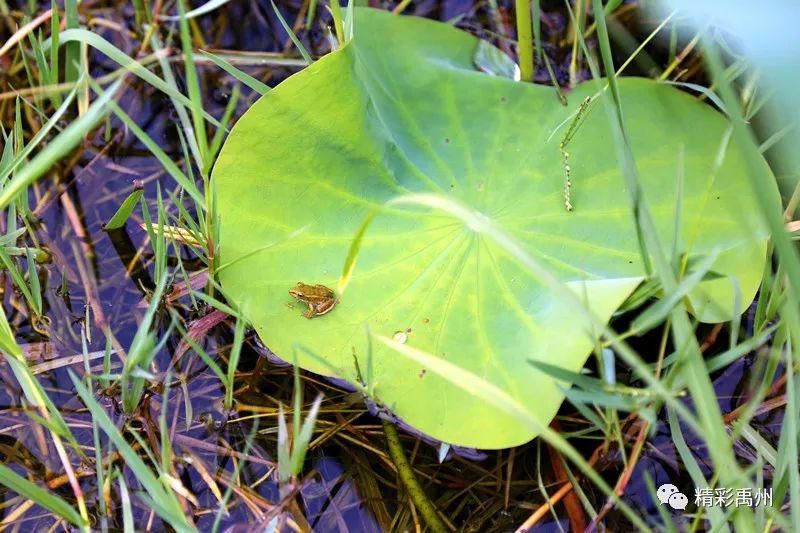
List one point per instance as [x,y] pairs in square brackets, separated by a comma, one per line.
[312,312]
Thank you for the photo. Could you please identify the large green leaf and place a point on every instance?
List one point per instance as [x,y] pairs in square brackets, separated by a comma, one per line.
[401,109]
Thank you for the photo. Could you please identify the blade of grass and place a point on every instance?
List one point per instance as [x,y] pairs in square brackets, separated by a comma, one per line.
[41,497]
[233,361]
[303,436]
[338,23]
[660,310]
[33,281]
[245,78]
[124,212]
[72,55]
[98,445]
[787,462]
[131,65]
[125,503]
[18,279]
[52,122]
[187,128]
[59,147]
[55,28]
[195,96]
[171,168]
[293,37]
[312,13]
[699,383]
[141,352]
[168,506]
[787,251]
[219,135]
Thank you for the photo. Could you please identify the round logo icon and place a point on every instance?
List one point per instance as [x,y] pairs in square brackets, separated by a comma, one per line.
[669,494]
[678,501]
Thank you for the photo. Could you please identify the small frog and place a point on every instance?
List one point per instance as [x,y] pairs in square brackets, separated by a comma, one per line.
[319,298]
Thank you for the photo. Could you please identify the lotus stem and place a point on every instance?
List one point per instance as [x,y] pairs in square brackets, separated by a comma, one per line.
[406,473]
[524,39]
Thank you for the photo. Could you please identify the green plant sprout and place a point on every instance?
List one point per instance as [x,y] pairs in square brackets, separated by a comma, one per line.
[573,128]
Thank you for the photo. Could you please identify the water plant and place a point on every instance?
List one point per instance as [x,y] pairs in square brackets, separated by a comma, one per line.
[424,190]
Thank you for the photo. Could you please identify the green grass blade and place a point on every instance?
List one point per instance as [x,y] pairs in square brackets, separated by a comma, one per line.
[55,28]
[233,361]
[245,78]
[171,168]
[131,65]
[125,502]
[303,438]
[219,135]
[284,454]
[338,23]
[187,130]
[141,352]
[195,96]
[292,36]
[660,310]
[40,496]
[699,383]
[169,508]
[352,253]
[72,55]
[312,13]
[33,281]
[59,147]
[19,281]
[23,154]
[124,212]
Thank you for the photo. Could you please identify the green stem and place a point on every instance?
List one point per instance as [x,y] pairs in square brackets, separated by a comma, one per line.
[524,39]
[73,50]
[336,11]
[404,470]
